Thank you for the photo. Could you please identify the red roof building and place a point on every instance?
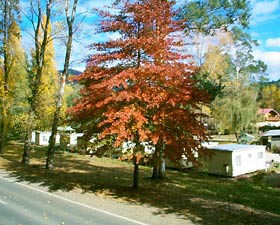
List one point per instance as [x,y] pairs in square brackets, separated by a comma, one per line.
[270,114]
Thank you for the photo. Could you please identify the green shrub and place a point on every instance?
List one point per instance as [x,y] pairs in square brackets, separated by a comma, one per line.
[275,149]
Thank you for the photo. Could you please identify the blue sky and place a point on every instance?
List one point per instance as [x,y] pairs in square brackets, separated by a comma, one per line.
[265,28]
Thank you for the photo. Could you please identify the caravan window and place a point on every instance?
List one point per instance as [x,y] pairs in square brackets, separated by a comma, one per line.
[260,155]
[45,138]
[238,160]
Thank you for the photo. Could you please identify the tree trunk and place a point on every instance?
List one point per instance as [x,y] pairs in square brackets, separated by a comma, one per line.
[158,162]
[161,165]
[236,136]
[27,142]
[64,75]
[30,125]
[50,160]
[40,49]
[3,130]
[135,173]
[51,148]
[4,82]
[155,164]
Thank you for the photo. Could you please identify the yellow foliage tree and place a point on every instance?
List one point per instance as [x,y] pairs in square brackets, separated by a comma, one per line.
[40,20]
[271,97]
[236,109]
[48,88]
[16,81]
[215,64]
[216,67]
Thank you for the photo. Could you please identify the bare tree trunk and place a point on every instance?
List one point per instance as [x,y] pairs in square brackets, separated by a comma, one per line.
[40,49]
[64,75]
[4,105]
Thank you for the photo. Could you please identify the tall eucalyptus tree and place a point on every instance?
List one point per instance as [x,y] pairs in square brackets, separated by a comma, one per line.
[39,17]
[70,13]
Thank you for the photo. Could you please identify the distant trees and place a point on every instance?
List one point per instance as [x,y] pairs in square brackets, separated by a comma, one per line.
[228,61]
[141,86]
[270,96]
[208,17]
[235,109]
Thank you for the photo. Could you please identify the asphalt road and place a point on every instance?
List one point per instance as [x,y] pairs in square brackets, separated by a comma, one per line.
[22,204]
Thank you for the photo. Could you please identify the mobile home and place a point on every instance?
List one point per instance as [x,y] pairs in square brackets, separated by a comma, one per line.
[42,138]
[234,159]
[271,138]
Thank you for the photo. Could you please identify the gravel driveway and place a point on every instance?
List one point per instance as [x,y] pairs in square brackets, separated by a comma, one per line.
[271,157]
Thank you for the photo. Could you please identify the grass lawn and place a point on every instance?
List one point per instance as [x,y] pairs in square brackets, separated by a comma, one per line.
[199,197]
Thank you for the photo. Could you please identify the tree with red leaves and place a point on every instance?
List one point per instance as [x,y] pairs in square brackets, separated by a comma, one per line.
[142,86]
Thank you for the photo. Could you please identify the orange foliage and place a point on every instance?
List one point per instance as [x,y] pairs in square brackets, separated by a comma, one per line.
[141,86]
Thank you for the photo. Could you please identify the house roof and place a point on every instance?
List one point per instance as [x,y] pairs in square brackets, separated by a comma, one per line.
[271,133]
[67,128]
[265,111]
[235,147]
[268,123]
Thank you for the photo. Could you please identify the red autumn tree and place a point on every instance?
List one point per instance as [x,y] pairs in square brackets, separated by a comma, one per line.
[142,86]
